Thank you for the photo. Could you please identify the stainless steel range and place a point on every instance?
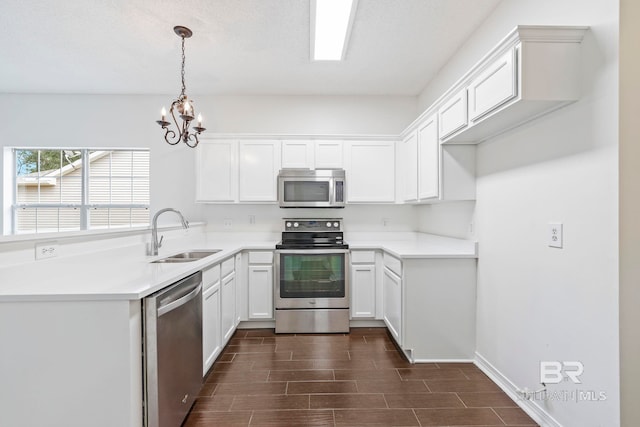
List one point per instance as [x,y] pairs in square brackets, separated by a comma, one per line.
[312,283]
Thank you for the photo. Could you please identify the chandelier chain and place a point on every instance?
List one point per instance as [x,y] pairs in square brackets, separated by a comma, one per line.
[184,88]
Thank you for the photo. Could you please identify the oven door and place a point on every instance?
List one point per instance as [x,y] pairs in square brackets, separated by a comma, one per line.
[312,278]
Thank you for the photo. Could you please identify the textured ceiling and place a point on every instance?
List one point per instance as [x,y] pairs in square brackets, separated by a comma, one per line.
[238,47]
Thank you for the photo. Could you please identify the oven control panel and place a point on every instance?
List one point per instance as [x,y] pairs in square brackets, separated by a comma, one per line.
[307,224]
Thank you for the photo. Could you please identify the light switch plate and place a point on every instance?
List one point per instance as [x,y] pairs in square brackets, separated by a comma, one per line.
[554,235]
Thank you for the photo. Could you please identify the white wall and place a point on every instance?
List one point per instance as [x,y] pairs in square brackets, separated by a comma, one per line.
[537,303]
[454,219]
[269,217]
[129,121]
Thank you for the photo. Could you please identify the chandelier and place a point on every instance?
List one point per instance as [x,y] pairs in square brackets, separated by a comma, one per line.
[183,107]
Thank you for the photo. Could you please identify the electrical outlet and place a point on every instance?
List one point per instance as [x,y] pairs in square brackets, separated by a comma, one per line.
[227,223]
[46,250]
[554,235]
[252,219]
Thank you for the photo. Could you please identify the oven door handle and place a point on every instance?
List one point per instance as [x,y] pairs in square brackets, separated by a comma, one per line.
[311,251]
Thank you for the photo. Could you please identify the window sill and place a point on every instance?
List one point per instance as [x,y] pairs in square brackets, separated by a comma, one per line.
[89,234]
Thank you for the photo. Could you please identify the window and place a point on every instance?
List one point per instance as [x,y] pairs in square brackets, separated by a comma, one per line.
[79,189]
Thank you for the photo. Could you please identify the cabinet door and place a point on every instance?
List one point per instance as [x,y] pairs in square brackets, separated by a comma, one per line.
[298,154]
[428,155]
[452,116]
[363,291]
[392,292]
[370,171]
[228,306]
[211,342]
[493,87]
[329,154]
[410,167]
[241,290]
[216,179]
[260,292]
[259,163]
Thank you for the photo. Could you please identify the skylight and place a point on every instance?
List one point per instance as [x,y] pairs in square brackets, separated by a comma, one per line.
[331,22]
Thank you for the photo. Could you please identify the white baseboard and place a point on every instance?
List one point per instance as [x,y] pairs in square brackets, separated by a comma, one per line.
[368,323]
[532,409]
[443,361]
[266,324]
[257,324]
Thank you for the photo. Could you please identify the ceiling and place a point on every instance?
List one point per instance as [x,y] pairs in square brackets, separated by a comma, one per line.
[238,47]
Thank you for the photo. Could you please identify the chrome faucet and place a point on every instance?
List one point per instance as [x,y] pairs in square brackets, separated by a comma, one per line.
[155,244]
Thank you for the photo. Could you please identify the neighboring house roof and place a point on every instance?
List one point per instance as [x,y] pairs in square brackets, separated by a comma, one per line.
[50,178]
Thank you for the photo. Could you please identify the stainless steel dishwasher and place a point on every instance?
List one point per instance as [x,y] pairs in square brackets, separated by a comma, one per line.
[172,351]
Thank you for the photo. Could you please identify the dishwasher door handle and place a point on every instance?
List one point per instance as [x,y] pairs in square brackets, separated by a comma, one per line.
[177,303]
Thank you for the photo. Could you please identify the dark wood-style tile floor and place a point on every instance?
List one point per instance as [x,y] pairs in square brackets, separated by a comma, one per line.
[356,379]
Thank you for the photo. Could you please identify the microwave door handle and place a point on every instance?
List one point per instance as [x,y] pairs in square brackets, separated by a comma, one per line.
[332,191]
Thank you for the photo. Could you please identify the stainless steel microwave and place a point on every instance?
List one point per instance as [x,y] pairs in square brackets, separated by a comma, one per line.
[311,188]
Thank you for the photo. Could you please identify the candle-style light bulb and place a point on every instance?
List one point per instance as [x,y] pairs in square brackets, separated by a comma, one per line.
[200,120]
[186,108]
[163,114]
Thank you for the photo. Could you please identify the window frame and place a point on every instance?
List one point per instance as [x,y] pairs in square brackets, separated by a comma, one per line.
[85,206]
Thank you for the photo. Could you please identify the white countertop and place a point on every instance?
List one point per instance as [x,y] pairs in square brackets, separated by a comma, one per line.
[414,245]
[128,274]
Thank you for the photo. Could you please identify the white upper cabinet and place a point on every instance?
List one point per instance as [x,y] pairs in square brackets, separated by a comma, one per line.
[530,72]
[494,86]
[329,154]
[442,172]
[452,115]
[428,180]
[259,164]
[312,154]
[216,171]
[409,167]
[298,154]
[370,168]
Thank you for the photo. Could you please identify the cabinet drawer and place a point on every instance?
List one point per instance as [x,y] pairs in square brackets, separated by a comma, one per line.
[210,276]
[261,257]
[228,267]
[363,257]
[493,87]
[393,264]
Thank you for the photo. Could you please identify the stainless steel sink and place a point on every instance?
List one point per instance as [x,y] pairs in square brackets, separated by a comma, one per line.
[187,256]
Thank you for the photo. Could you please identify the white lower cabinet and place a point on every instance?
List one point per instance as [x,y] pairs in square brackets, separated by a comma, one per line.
[260,285]
[392,295]
[363,285]
[211,331]
[430,306]
[228,300]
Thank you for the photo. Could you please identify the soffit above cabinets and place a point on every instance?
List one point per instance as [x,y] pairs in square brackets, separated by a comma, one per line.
[238,46]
